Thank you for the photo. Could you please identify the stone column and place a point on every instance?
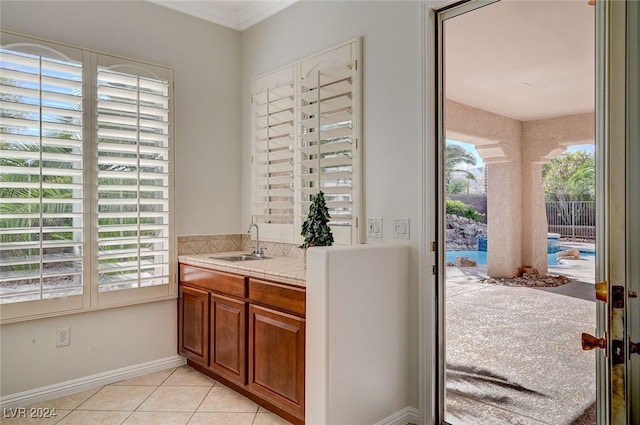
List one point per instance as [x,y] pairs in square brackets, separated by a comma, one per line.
[504,229]
[543,140]
[534,217]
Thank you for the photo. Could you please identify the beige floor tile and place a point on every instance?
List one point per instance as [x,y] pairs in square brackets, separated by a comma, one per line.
[223,399]
[114,397]
[68,402]
[222,419]
[263,410]
[174,399]
[158,418]
[156,378]
[188,376]
[268,418]
[32,417]
[80,417]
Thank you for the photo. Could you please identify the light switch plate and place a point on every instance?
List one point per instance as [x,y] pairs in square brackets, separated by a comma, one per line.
[374,227]
[401,228]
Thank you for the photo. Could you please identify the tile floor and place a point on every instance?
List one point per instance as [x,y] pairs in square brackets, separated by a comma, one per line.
[177,396]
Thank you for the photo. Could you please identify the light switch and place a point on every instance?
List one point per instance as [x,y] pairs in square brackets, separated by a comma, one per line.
[374,227]
[401,228]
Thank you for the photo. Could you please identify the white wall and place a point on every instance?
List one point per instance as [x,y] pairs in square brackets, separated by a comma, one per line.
[101,341]
[391,105]
[206,59]
[357,334]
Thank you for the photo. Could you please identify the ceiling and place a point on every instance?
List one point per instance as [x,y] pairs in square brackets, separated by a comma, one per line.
[524,59]
[236,14]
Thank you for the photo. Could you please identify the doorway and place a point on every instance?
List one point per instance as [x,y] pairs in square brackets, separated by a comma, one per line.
[519,87]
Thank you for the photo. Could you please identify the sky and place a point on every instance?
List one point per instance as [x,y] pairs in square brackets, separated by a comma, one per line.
[480,163]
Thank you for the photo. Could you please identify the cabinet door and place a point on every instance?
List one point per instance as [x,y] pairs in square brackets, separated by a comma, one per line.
[228,337]
[193,326]
[276,358]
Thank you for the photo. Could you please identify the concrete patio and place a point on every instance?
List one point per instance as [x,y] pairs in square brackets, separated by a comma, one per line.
[514,354]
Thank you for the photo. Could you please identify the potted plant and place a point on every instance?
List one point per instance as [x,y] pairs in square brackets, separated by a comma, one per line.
[315,229]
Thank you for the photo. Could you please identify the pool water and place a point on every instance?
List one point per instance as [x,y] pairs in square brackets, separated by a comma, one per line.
[480,257]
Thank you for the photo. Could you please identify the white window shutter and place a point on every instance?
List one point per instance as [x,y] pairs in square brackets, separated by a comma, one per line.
[133,177]
[306,125]
[41,173]
[273,155]
[329,130]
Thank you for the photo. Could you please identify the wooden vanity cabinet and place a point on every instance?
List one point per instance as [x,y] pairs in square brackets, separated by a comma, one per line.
[277,344]
[228,348]
[212,310]
[193,319]
[248,333]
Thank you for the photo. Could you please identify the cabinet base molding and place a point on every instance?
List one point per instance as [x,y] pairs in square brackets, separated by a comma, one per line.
[50,392]
[243,390]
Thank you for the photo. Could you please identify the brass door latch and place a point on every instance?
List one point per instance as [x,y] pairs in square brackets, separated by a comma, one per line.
[617,294]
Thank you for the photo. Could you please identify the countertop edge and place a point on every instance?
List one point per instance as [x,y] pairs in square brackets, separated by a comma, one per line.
[279,269]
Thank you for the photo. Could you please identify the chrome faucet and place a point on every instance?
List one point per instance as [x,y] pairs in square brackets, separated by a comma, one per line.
[256,250]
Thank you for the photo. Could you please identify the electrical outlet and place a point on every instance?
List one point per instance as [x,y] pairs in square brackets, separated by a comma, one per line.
[63,337]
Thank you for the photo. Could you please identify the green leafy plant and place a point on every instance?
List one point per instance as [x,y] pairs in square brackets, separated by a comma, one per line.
[315,229]
[461,209]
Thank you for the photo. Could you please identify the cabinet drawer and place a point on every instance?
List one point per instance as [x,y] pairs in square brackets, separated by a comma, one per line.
[278,296]
[225,283]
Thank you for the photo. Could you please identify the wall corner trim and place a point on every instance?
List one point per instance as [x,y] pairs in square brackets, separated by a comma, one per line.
[49,392]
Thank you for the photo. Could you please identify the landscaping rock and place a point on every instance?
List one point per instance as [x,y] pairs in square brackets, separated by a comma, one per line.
[573,253]
[465,262]
[530,277]
[462,233]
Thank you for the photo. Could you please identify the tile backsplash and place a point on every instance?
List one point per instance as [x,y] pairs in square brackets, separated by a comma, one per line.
[207,244]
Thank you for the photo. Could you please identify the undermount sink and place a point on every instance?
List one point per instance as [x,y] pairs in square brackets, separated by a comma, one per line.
[240,257]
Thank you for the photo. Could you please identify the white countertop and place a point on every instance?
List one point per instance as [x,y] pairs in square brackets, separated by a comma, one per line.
[280,269]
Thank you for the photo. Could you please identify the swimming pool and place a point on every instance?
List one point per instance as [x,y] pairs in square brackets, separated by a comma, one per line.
[480,257]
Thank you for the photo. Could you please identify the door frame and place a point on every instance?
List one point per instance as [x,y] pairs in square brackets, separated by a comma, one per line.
[431,361]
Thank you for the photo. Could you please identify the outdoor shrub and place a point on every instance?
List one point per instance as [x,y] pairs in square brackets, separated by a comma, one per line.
[461,209]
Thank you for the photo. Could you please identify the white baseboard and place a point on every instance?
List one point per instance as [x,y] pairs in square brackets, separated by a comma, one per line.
[27,398]
[408,415]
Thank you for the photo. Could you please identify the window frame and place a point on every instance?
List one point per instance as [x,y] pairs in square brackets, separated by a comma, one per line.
[91,298]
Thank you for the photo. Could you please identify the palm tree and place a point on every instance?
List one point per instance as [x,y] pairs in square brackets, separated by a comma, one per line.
[582,182]
[455,156]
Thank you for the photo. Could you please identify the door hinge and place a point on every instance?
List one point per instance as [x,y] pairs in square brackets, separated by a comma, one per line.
[433,270]
[433,246]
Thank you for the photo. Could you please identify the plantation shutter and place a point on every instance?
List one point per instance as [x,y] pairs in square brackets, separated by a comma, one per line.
[273,155]
[328,118]
[133,176]
[41,173]
[306,128]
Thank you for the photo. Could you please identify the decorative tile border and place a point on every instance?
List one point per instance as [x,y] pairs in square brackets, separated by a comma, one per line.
[208,244]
